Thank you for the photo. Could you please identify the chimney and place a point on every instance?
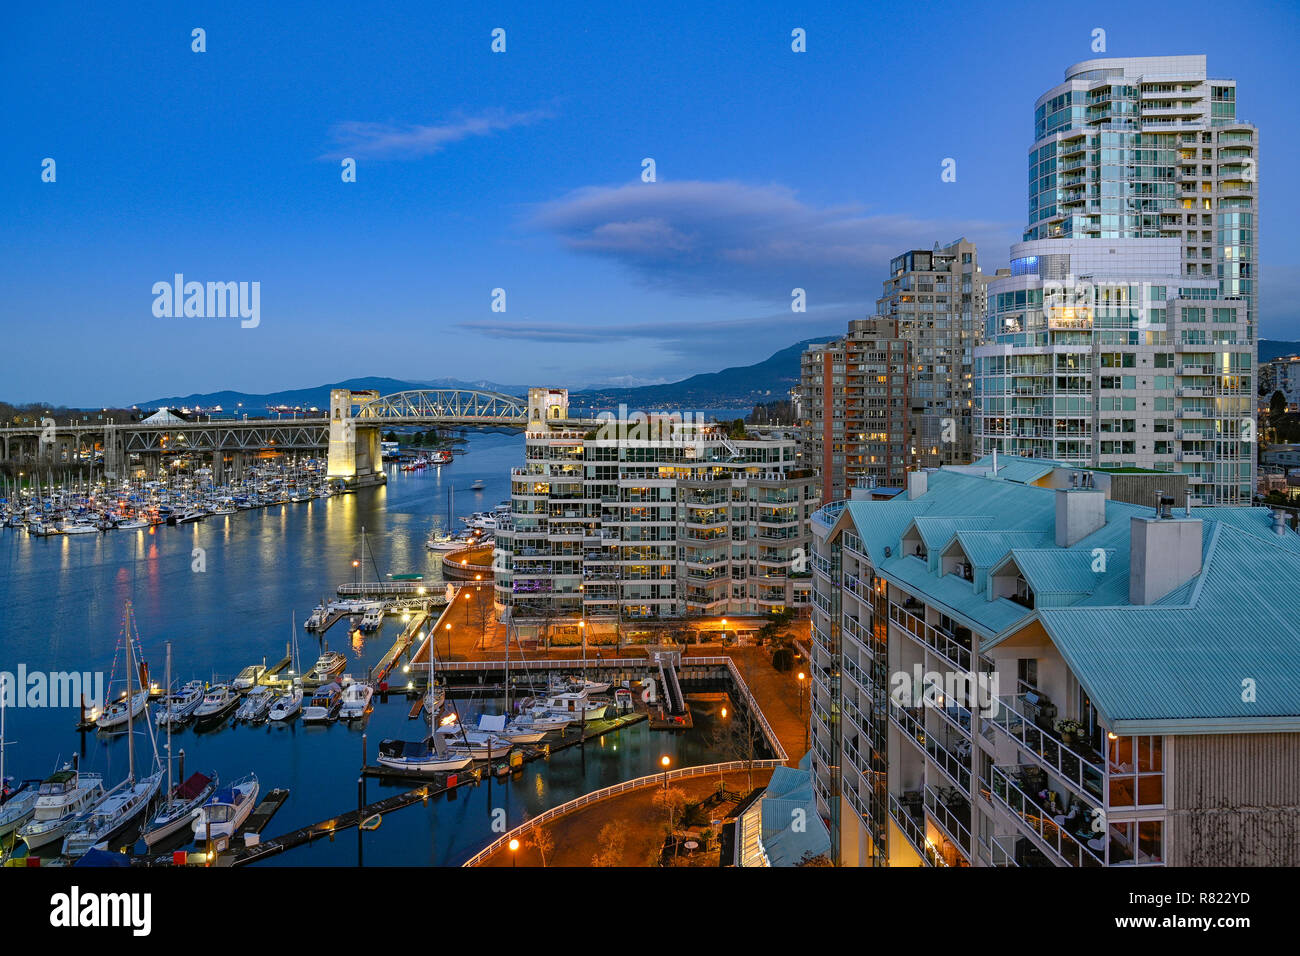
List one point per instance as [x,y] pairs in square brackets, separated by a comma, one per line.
[1164,554]
[1079,512]
[1279,523]
[918,482]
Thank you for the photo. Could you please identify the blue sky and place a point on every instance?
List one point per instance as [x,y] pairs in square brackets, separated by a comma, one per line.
[522,171]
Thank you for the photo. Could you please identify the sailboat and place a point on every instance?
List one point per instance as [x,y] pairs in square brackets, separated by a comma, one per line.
[423,756]
[16,805]
[286,706]
[182,801]
[128,799]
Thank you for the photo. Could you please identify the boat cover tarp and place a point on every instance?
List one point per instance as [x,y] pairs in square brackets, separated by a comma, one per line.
[93,857]
[493,723]
[192,787]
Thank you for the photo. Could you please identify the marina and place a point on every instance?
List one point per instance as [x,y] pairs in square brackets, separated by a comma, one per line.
[317,764]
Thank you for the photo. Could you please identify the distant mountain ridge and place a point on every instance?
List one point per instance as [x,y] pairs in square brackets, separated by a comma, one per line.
[739,387]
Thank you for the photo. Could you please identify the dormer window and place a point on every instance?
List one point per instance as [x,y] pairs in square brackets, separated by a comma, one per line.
[1023,594]
[918,551]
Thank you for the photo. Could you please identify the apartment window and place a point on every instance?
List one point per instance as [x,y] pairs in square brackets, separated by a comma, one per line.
[1026,674]
[1137,843]
[1137,774]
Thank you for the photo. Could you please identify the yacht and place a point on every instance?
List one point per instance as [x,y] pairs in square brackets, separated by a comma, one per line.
[131,524]
[328,666]
[317,619]
[513,732]
[256,704]
[325,704]
[480,744]
[217,704]
[248,677]
[478,485]
[356,700]
[179,707]
[575,704]
[372,619]
[579,683]
[539,716]
[426,756]
[17,809]
[179,807]
[286,706]
[62,797]
[226,810]
[121,711]
[112,815]
[78,527]
[481,520]
[191,515]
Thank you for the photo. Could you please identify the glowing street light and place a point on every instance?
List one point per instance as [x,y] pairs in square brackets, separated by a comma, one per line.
[514,852]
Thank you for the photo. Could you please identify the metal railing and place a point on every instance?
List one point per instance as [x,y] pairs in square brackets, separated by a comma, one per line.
[596,795]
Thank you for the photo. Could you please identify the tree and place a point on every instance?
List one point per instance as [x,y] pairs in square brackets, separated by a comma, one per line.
[542,839]
[611,840]
[1277,405]
[672,801]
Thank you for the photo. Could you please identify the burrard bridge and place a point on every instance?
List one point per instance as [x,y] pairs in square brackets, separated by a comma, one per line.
[350,433]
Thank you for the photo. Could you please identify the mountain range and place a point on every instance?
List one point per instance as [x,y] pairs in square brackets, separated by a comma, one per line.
[740,386]
[737,387]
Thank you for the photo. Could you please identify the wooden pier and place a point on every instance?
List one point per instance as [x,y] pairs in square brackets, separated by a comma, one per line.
[262,813]
[400,646]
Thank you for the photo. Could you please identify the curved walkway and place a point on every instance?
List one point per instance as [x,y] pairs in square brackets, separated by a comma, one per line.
[575,834]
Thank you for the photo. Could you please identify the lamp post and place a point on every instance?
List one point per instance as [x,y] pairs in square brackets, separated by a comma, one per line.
[665,762]
[355,564]
[801,680]
[514,853]
[448,642]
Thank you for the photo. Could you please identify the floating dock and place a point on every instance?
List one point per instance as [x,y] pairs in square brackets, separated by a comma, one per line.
[400,646]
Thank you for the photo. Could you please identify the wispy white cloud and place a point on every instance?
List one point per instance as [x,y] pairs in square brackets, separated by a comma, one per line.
[728,238]
[411,141]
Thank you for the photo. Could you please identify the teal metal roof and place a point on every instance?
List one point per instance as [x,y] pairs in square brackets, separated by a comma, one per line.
[1177,663]
[1022,470]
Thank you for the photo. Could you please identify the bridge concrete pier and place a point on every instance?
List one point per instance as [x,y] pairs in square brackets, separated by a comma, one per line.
[354,450]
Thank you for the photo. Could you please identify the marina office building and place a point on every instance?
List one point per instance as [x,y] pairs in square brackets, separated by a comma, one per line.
[1011,667]
[655,517]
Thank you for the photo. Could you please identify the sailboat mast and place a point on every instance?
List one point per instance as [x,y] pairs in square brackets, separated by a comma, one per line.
[130,710]
[166,704]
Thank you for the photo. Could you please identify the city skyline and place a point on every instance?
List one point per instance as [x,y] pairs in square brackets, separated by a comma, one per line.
[523,171]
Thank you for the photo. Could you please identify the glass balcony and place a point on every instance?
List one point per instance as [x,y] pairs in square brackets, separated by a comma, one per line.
[1083,774]
[1067,841]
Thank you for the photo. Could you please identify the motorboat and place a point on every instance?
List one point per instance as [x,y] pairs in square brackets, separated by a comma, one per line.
[217,704]
[61,799]
[328,666]
[175,813]
[372,619]
[226,810]
[576,704]
[539,716]
[112,815]
[356,700]
[122,711]
[316,620]
[248,677]
[427,756]
[513,732]
[191,515]
[480,744]
[17,809]
[579,683]
[256,704]
[482,521]
[287,706]
[179,707]
[478,485]
[131,524]
[78,527]
[325,704]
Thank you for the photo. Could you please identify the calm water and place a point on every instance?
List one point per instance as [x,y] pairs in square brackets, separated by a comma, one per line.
[61,602]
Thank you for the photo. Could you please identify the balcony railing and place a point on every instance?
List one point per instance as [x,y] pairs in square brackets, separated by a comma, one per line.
[914,829]
[1075,770]
[951,812]
[942,643]
[1038,820]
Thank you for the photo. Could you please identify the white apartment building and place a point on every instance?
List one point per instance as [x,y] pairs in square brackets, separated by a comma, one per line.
[1101,352]
[654,518]
[1150,147]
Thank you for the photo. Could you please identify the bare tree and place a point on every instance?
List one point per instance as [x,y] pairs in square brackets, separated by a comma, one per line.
[611,840]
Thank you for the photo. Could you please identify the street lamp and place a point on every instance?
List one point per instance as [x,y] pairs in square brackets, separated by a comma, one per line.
[801,680]
[355,564]
[514,853]
[448,642]
[665,761]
